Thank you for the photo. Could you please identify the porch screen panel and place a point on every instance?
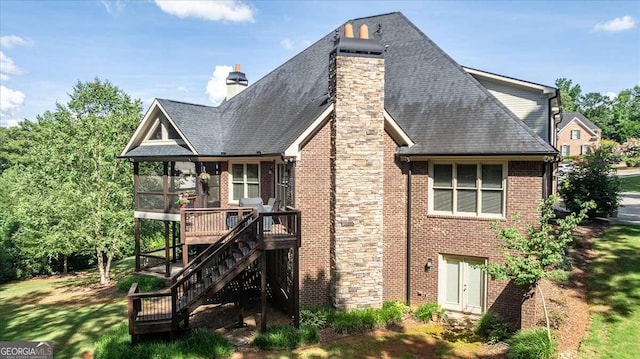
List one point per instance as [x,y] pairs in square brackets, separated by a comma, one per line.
[150,188]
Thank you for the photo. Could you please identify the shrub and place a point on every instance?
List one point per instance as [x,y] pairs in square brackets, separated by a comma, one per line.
[393,312]
[279,337]
[531,344]
[116,344]
[145,283]
[492,328]
[558,275]
[427,310]
[592,180]
[317,317]
[358,321]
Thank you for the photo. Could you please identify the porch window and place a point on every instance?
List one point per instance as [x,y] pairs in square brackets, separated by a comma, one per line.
[565,150]
[245,180]
[476,189]
[575,134]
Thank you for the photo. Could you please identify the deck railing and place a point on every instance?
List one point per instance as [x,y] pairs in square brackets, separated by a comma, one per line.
[206,225]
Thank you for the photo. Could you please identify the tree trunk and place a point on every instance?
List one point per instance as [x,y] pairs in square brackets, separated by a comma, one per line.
[103,277]
[546,315]
[64,264]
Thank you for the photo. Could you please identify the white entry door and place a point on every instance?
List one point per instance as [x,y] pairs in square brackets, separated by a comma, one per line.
[461,286]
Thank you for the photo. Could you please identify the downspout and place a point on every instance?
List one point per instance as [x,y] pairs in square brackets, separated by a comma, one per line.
[549,166]
[408,269]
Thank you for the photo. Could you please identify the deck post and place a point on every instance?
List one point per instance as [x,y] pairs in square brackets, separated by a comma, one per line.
[296,288]
[173,241]
[183,236]
[136,235]
[167,257]
[263,291]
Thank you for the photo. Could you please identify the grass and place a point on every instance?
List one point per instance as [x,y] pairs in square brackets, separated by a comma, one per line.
[280,337]
[614,296]
[630,184]
[202,344]
[60,309]
[146,283]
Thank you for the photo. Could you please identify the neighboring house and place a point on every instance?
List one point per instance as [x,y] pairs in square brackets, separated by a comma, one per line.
[397,158]
[577,135]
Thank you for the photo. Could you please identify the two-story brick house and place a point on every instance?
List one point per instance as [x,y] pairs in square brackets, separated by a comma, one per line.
[577,135]
[397,157]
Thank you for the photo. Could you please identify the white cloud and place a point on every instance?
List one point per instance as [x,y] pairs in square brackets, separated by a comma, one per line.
[10,100]
[8,122]
[616,25]
[287,43]
[217,85]
[228,10]
[113,7]
[182,89]
[9,41]
[8,67]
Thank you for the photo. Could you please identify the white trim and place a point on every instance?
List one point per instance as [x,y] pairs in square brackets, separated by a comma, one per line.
[294,149]
[157,216]
[462,277]
[545,89]
[478,213]
[579,123]
[396,131]
[147,124]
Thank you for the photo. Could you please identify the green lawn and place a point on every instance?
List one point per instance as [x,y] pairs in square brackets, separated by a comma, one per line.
[630,184]
[58,309]
[614,296]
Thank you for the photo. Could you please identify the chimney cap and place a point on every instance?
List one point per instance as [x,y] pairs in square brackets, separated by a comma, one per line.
[237,77]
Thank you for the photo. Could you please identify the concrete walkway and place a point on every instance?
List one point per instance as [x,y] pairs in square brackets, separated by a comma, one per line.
[629,210]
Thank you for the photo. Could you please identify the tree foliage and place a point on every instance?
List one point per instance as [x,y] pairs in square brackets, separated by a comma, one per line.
[618,117]
[529,257]
[592,180]
[66,189]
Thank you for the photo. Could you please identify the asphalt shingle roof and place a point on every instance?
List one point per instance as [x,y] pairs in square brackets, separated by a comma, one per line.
[443,109]
[568,116]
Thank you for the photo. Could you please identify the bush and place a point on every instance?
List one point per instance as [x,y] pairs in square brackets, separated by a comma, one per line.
[492,328]
[427,310]
[145,283]
[393,312]
[317,317]
[116,344]
[558,275]
[592,180]
[279,337]
[531,344]
[358,321]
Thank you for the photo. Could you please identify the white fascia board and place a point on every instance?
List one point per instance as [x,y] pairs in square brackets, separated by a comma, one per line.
[398,135]
[581,124]
[294,149]
[137,135]
[545,89]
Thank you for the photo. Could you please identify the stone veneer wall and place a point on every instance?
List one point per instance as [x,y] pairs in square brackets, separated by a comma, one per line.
[357,85]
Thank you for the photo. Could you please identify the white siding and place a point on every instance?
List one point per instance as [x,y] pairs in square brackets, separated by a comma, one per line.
[531,107]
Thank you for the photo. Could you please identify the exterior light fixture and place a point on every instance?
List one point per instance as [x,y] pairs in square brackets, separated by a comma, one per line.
[429,265]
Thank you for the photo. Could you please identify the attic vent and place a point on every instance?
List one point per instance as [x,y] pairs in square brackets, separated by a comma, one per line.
[361,46]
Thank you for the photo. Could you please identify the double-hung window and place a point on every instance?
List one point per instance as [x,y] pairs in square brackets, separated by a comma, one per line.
[565,150]
[245,180]
[476,189]
[575,134]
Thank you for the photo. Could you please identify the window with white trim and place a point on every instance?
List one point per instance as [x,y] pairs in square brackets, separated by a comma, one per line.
[245,180]
[575,134]
[468,189]
[585,149]
[565,150]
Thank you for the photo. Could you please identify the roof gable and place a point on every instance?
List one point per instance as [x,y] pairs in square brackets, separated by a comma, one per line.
[569,117]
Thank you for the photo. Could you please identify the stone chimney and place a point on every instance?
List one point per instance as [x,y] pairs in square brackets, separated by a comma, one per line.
[236,82]
[356,86]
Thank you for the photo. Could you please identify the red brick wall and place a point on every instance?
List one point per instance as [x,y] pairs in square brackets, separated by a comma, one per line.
[564,138]
[313,193]
[394,255]
[436,234]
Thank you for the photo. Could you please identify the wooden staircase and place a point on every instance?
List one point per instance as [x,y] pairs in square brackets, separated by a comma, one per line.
[167,311]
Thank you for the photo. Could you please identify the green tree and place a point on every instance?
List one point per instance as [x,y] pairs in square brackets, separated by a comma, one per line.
[592,180]
[69,192]
[529,257]
[570,95]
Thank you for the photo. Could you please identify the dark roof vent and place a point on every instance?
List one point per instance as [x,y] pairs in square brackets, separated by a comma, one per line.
[362,46]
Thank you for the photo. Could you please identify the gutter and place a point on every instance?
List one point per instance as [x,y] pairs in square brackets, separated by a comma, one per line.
[408,228]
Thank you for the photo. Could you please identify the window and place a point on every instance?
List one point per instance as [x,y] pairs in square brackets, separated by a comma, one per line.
[162,131]
[565,150]
[575,134]
[245,180]
[468,189]
[585,149]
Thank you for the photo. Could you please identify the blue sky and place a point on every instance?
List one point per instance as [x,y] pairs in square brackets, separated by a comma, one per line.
[179,49]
